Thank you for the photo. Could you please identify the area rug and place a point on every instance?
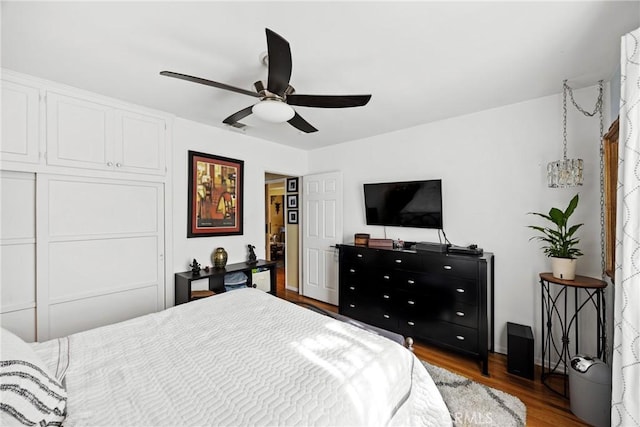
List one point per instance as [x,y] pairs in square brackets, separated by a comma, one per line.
[474,404]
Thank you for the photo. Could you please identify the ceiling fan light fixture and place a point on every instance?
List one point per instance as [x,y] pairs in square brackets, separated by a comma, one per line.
[273,111]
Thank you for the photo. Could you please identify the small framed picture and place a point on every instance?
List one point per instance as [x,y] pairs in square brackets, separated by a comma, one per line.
[292,201]
[292,217]
[292,185]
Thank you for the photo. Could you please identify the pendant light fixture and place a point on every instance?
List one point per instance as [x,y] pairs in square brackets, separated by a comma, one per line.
[569,172]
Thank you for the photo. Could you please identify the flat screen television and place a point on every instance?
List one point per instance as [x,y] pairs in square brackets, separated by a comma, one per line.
[404,204]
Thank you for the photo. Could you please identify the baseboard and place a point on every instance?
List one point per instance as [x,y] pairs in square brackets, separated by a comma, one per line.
[291,288]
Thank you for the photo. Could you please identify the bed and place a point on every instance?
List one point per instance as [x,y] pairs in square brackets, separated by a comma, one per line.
[240,358]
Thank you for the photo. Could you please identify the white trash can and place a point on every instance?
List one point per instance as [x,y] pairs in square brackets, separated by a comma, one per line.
[590,390]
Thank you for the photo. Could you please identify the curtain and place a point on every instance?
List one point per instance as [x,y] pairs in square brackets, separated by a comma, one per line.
[625,397]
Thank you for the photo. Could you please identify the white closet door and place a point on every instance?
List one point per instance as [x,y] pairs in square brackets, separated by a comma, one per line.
[100,247]
[18,250]
[20,115]
[140,143]
[79,132]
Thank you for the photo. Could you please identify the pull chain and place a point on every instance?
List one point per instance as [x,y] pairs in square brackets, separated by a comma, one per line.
[596,109]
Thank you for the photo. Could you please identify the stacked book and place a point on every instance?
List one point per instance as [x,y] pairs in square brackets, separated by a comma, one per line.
[381,243]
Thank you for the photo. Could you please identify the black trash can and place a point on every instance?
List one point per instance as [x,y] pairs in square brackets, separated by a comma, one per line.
[590,390]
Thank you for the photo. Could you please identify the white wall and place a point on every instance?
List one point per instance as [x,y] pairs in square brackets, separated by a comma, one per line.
[259,156]
[493,170]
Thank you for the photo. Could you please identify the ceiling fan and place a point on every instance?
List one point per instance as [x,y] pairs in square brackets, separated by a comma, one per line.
[278,96]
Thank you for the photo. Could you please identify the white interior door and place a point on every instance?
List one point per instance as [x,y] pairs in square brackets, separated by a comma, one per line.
[322,230]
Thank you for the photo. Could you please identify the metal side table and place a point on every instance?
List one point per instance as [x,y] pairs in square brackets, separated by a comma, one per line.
[556,315]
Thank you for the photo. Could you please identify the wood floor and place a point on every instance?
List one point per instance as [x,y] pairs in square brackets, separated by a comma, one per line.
[544,408]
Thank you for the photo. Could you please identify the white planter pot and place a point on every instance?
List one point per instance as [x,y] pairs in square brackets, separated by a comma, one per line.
[563,268]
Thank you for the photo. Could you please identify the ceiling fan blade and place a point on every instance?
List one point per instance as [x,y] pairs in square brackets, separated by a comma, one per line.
[279,54]
[328,101]
[209,83]
[235,117]
[301,124]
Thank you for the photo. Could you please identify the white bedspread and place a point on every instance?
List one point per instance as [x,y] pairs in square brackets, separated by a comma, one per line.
[241,358]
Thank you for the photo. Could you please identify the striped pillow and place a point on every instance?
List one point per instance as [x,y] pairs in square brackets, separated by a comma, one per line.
[29,395]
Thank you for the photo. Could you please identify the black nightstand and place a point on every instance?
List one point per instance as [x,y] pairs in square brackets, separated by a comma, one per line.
[216,279]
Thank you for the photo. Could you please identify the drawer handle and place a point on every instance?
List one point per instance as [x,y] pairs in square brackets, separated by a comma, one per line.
[385,296]
[460,337]
[411,302]
[352,305]
[351,270]
[399,261]
[411,282]
[386,277]
[447,267]
[411,324]
[353,288]
[460,290]
[386,316]
[359,255]
[459,313]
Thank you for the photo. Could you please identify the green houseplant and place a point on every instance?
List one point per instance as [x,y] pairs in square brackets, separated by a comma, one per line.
[560,242]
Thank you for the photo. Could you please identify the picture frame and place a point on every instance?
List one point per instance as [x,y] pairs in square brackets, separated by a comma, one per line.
[215,195]
[292,201]
[292,185]
[292,216]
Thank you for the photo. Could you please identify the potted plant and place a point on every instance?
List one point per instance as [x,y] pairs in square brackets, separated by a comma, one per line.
[559,240]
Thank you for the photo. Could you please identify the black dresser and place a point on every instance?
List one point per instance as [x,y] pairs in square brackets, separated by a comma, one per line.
[436,298]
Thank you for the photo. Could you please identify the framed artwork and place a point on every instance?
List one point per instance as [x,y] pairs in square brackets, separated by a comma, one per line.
[292,201]
[292,185]
[292,217]
[214,195]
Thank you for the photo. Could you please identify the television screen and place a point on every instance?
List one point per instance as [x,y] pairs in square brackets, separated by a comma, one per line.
[404,204]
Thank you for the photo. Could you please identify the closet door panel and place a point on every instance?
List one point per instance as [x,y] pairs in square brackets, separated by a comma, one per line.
[21,322]
[93,208]
[101,245]
[101,266]
[18,276]
[79,132]
[18,248]
[140,143]
[18,219]
[99,311]
[20,115]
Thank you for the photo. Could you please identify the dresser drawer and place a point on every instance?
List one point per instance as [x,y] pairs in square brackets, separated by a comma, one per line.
[449,334]
[358,255]
[399,259]
[437,286]
[357,308]
[356,289]
[384,317]
[458,336]
[349,271]
[461,314]
[428,308]
[451,266]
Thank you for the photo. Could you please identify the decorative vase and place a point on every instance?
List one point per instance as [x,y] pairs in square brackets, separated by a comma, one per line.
[219,258]
[563,268]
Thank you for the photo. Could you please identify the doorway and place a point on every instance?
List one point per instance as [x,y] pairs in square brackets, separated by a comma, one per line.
[281,236]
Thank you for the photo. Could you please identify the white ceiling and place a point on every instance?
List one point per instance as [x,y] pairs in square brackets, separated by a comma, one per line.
[421,61]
